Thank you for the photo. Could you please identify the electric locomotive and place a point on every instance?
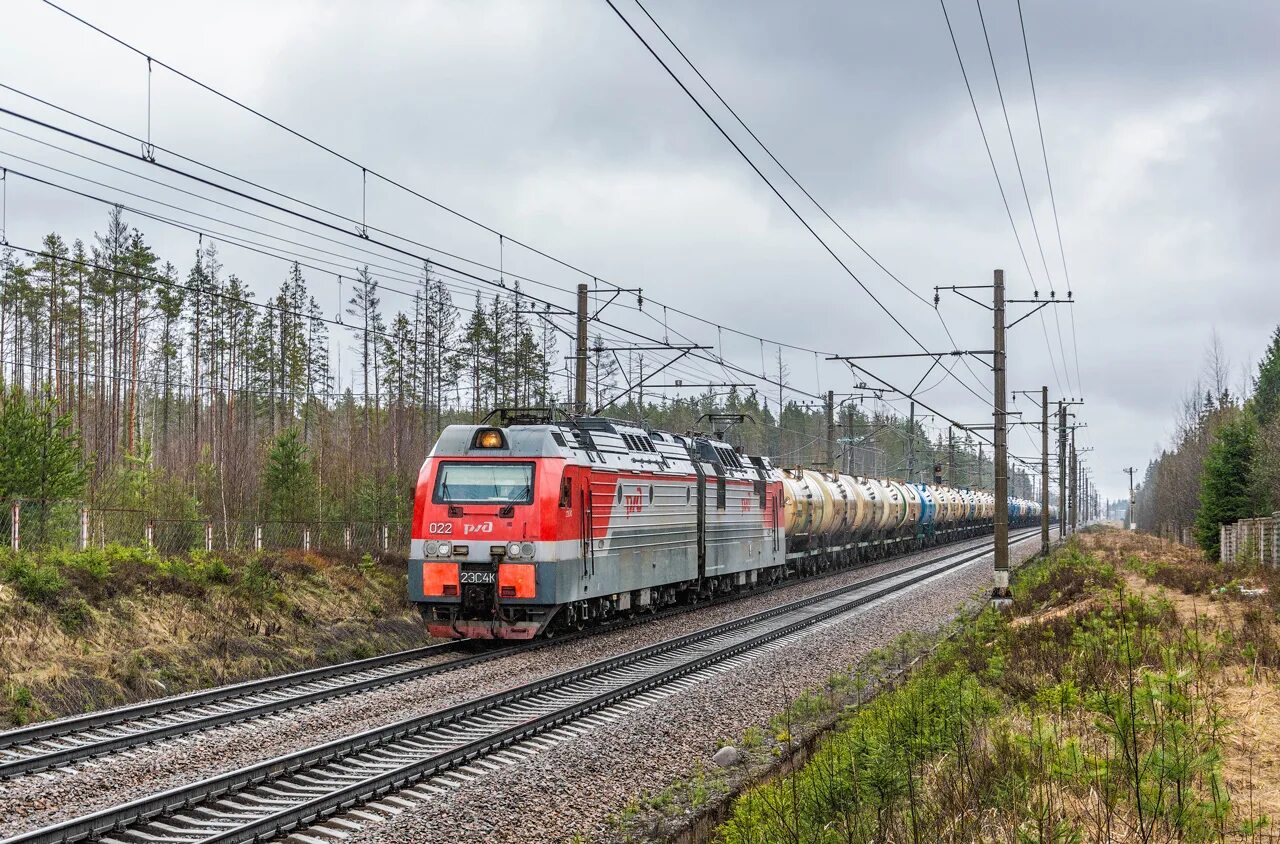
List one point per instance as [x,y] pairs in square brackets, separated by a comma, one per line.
[537,525]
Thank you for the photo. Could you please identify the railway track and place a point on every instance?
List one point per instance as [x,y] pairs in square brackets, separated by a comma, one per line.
[411,760]
[55,744]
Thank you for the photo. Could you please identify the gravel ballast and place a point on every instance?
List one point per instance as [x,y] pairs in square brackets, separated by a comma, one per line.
[575,787]
[667,739]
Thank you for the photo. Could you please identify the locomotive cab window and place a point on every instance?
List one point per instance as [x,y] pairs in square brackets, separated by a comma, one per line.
[484,483]
[566,493]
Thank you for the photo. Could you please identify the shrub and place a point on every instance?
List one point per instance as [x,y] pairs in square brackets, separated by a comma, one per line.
[74,615]
[38,583]
[258,584]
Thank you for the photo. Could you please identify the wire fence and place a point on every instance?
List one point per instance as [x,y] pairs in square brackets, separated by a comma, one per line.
[28,524]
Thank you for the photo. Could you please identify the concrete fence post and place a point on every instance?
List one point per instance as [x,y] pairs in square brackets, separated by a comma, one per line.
[257,537]
[151,533]
[208,536]
[306,539]
[1275,539]
[15,522]
[84,528]
[346,537]
[384,539]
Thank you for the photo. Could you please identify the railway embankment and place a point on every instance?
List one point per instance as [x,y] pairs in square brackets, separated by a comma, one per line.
[1129,695]
[91,629]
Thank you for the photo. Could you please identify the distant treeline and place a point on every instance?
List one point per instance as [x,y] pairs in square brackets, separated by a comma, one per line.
[132,383]
[1224,462]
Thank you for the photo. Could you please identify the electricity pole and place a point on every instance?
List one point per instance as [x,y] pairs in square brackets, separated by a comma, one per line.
[580,356]
[999,426]
[1062,470]
[1075,480]
[1044,470]
[1129,520]
[1000,589]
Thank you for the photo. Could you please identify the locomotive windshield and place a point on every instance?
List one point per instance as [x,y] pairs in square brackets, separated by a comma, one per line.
[484,483]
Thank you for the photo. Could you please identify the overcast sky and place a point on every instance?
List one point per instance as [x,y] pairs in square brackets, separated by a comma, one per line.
[552,123]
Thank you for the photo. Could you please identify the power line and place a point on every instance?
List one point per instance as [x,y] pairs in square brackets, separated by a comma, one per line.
[774,158]
[292,212]
[363,229]
[369,171]
[770,184]
[995,171]
[1017,161]
[1053,202]
[796,181]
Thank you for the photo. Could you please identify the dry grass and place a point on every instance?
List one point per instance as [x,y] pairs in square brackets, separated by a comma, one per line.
[1132,697]
[1251,755]
[149,638]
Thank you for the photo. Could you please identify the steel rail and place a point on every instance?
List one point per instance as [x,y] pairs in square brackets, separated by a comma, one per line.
[106,717]
[103,729]
[221,787]
[60,732]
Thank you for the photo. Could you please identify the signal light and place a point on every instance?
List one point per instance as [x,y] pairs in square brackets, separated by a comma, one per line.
[489,438]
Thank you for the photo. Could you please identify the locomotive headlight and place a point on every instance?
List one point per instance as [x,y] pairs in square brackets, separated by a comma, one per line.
[526,549]
[489,438]
[444,549]
[513,550]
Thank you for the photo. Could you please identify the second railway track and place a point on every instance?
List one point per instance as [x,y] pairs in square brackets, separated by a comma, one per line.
[55,744]
[416,756]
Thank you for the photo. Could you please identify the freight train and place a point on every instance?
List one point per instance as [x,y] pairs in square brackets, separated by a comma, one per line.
[536,525]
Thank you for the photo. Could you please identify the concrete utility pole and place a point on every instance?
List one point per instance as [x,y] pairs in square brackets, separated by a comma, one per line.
[580,356]
[1128,513]
[1000,588]
[1062,470]
[1044,470]
[1075,479]
[911,443]
[831,430]
[979,484]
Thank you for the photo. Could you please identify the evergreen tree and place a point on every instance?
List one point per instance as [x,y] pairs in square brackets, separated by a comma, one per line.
[1225,483]
[40,457]
[290,482]
[1266,386]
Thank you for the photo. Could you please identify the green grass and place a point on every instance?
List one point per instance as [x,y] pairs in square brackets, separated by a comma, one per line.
[1090,713]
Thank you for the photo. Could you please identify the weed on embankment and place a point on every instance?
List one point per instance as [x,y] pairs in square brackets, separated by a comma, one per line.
[1103,708]
[86,629]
